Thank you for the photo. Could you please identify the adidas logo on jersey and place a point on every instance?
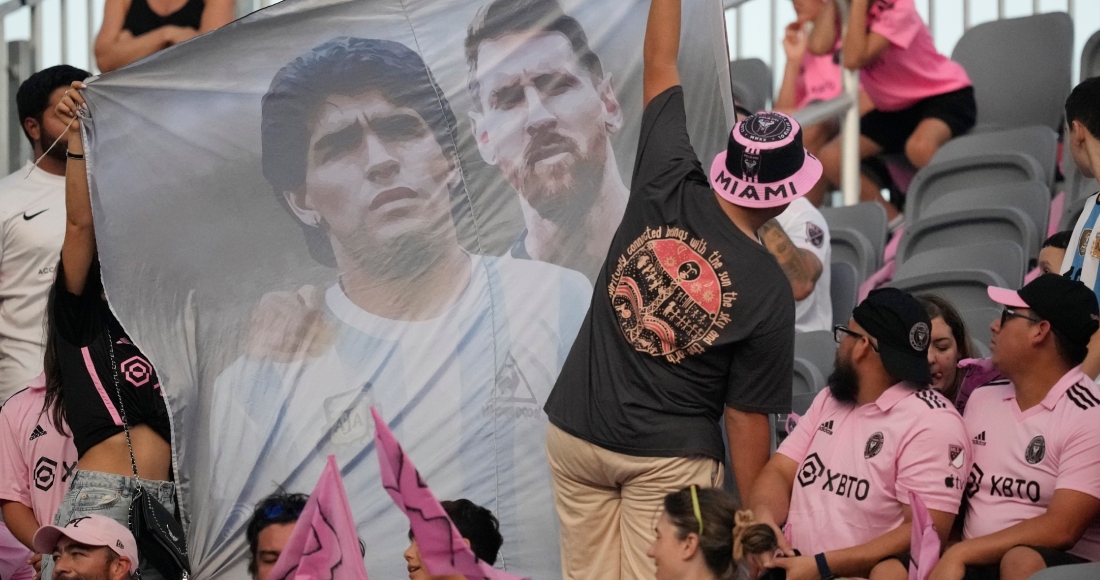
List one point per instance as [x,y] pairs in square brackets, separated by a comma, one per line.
[979,440]
[826,427]
[38,432]
[1082,397]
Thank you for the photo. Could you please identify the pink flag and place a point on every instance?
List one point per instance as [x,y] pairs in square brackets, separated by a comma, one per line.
[324,544]
[924,542]
[442,549]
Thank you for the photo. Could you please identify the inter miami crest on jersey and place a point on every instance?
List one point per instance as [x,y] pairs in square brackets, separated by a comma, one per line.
[874,445]
[814,234]
[1036,450]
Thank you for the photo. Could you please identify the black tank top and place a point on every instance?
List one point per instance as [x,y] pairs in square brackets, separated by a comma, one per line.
[140,18]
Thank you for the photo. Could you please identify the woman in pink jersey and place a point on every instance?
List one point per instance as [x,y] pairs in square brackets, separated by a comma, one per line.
[808,78]
[922,99]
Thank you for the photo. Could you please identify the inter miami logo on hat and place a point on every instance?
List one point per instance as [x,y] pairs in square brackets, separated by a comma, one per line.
[1036,450]
[766,127]
[919,336]
[874,445]
[814,234]
[750,165]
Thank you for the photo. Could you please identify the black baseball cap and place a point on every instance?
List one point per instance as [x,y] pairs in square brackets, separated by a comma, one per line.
[903,330]
[1068,305]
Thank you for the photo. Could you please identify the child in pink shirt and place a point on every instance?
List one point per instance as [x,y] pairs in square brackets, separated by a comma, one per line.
[809,78]
[36,462]
[922,99]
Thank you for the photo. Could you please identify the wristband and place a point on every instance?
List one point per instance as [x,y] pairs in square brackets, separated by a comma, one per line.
[76,156]
[823,567]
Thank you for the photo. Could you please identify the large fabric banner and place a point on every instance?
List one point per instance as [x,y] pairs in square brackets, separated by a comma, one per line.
[337,204]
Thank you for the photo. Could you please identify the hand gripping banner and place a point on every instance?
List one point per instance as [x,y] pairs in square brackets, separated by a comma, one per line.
[330,205]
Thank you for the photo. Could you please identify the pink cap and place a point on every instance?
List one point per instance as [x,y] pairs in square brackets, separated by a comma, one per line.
[1006,297]
[93,530]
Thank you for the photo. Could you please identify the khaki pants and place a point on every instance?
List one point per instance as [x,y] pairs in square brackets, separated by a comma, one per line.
[609,503]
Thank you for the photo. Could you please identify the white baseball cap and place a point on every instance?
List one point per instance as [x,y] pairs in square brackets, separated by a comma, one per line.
[93,530]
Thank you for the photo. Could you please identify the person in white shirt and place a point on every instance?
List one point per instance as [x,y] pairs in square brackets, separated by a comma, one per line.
[32,225]
[799,240]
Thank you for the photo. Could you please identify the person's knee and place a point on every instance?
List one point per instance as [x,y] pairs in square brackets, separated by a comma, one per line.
[891,569]
[919,150]
[1020,563]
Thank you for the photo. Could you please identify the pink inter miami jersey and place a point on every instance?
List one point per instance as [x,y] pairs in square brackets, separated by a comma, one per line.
[857,465]
[910,69]
[36,461]
[1021,457]
[818,78]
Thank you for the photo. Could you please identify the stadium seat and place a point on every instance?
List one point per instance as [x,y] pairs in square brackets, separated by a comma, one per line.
[752,83]
[807,378]
[1031,198]
[858,236]
[1090,571]
[961,274]
[818,348]
[843,290]
[1037,141]
[1090,57]
[999,55]
[979,170]
[977,322]
[957,230]
[1072,212]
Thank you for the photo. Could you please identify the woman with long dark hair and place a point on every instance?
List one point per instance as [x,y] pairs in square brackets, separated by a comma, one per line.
[950,344]
[97,380]
[695,535]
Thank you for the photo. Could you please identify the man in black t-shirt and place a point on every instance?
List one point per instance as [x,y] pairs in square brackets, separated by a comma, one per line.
[691,315]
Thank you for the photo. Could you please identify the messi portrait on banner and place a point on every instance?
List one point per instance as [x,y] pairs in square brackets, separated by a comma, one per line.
[399,205]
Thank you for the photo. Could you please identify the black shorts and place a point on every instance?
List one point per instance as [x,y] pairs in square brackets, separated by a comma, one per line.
[890,130]
[1051,558]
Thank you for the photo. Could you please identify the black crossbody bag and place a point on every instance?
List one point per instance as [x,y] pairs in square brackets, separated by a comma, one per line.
[160,538]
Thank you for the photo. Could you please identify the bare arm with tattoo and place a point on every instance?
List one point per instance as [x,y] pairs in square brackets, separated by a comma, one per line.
[801,266]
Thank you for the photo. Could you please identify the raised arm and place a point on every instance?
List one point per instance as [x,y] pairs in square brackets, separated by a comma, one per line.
[822,38]
[662,46]
[860,45]
[78,248]
[794,45]
[216,14]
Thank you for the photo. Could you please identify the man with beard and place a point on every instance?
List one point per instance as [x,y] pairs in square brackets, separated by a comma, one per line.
[455,349]
[544,113]
[32,225]
[840,483]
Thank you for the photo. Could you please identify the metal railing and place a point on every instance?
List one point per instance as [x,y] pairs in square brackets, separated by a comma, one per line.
[846,105]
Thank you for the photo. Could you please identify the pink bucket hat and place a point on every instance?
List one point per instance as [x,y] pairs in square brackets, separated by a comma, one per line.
[765,164]
[93,530]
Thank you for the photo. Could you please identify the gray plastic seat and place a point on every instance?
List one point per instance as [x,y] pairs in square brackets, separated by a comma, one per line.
[843,290]
[818,348]
[1003,225]
[752,83]
[858,236]
[1033,199]
[807,378]
[1071,212]
[977,322]
[941,178]
[1090,57]
[995,56]
[961,275]
[1090,571]
[1037,141]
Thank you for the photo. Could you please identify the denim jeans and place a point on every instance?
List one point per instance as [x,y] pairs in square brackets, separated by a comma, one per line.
[107,494]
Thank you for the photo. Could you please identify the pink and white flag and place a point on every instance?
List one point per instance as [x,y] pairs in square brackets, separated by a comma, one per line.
[924,542]
[442,549]
[324,544]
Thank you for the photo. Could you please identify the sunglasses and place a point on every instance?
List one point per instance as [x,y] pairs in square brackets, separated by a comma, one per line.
[1010,313]
[840,331]
[272,512]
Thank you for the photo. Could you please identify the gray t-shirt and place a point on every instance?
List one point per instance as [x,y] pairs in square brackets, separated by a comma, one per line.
[688,314]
